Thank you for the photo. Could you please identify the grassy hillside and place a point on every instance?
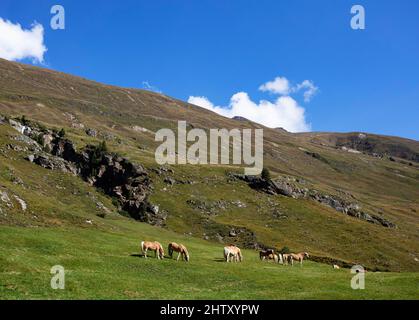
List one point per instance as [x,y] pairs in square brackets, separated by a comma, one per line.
[68,220]
[105,264]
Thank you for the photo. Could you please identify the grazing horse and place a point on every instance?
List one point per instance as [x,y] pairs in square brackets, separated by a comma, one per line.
[181,249]
[274,257]
[265,254]
[232,253]
[299,257]
[287,258]
[153,246]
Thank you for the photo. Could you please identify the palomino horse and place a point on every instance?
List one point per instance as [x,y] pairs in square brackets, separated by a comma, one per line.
[153,246]
[287,258]
[232,253]
[181,249]
[266,253]
[274,257]
[299,257]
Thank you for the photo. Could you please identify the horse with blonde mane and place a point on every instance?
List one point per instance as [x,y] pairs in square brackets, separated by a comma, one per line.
[153,246]
[299,257]
[181,249]
[232,253]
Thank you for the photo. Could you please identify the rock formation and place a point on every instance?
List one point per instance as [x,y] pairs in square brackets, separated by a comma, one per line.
[126,182]
[288,189]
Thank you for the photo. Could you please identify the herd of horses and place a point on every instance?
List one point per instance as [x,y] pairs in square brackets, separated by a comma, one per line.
[232,253]
[283,258]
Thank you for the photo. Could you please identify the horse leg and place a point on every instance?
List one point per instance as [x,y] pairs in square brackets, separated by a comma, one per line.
[178,256]
[145,253]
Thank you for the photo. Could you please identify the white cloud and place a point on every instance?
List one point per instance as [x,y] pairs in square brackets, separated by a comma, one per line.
[17,43]
[283,112]
[310,89]
[202,102]
[280,85]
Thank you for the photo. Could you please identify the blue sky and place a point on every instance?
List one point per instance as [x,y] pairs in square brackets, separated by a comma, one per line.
[367,80]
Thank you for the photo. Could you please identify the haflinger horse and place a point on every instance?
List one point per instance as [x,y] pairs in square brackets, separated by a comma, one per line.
[287,258]
[153,246]
[266,253]
[299,257]
[274,257]
[181,249]
[232,253]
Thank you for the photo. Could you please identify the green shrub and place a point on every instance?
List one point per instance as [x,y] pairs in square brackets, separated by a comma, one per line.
[265,174]
[285,250]
[24,121]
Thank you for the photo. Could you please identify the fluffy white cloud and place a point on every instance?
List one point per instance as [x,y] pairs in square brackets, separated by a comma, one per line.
[17,43]
[309,89]
[283,112]
[280,85]
[202,102]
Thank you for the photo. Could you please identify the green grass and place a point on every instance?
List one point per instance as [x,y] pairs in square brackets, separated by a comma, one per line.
[105,264]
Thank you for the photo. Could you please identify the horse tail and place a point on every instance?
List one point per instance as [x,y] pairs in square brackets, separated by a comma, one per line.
[170,250]
[142,246]
[161,250]
[239,253]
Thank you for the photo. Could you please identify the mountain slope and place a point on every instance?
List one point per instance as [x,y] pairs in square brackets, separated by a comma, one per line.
[203,201]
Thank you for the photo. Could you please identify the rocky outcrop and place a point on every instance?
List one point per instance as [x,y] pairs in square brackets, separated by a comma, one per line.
[289,189]
[91,132]
[129,183]
[52,163]
[212,208]
[119,178]
[229,234]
